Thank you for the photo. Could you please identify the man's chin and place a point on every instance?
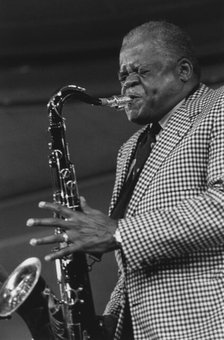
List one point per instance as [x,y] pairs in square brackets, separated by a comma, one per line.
[132,113]
[134,116]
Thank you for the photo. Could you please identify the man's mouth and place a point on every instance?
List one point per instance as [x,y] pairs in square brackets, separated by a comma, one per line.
[134,104]
[134,99]
[133,95]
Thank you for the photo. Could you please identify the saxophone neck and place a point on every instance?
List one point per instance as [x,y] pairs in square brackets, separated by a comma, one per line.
[117,102]
[56,102]
[77,92]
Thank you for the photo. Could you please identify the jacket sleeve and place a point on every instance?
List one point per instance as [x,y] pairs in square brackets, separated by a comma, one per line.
[192,225]
[113,307]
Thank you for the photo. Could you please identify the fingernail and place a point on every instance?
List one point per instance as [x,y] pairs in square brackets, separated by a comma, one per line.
[41,204]
[33,242]
[30,222]
[47,258]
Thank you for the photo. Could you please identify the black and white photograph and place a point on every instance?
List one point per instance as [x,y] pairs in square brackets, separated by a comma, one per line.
[112,170]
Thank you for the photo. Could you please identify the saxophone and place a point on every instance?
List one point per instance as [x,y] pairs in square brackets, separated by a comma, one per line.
[78,320]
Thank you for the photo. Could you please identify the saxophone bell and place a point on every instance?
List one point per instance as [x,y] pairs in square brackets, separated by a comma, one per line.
[19,285]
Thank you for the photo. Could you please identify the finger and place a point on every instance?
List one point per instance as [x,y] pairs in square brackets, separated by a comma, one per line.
[85,208]
[58,208]
[47,222]
[62,252]
[83,203]
[47,240]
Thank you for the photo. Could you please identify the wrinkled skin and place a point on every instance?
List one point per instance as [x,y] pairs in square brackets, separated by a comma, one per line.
[155,79]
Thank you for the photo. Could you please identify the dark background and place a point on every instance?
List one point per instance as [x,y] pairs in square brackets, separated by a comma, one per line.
[45,45]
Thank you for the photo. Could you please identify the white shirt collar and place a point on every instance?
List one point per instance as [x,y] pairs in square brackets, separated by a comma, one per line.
[163,122]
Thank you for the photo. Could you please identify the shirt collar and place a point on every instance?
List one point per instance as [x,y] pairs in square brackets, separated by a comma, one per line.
[163,122]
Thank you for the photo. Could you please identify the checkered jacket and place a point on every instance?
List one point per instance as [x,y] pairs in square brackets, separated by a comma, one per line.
[172,261]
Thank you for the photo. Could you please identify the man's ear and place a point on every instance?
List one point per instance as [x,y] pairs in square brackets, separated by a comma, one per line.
[185,69]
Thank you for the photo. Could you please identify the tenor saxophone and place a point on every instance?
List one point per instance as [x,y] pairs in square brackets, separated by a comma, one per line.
[78,321]
[72,272]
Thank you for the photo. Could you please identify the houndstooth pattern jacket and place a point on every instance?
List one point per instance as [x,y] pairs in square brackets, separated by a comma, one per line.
[172,259]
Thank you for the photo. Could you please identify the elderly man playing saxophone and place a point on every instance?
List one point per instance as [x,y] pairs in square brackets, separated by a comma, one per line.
[166,218]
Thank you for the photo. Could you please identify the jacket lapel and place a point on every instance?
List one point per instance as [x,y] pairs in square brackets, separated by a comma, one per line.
[125,158]
[177,127]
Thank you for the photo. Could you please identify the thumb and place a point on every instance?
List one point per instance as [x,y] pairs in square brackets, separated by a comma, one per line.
[85,208]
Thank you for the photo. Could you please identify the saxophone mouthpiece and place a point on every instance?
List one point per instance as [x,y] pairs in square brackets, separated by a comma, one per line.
[118,102]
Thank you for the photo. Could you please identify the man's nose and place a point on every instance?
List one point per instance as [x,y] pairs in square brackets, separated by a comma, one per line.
[131,81]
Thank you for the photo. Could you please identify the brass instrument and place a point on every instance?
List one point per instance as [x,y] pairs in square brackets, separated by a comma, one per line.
[72,272]
[19,286]
[76,302]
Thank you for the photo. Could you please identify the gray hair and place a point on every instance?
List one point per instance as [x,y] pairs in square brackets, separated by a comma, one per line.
[168,37]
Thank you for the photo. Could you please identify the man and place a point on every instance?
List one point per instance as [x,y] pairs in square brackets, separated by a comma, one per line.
[168,231]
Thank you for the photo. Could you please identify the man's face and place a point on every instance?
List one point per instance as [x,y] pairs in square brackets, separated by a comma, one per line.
[151,77]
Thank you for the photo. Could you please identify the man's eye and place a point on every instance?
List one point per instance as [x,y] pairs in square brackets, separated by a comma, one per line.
[143,71]
[122,77]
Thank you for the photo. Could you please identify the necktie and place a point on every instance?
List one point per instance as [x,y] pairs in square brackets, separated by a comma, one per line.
[144,146]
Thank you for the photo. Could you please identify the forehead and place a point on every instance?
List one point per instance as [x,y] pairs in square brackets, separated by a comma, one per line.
[139,53]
